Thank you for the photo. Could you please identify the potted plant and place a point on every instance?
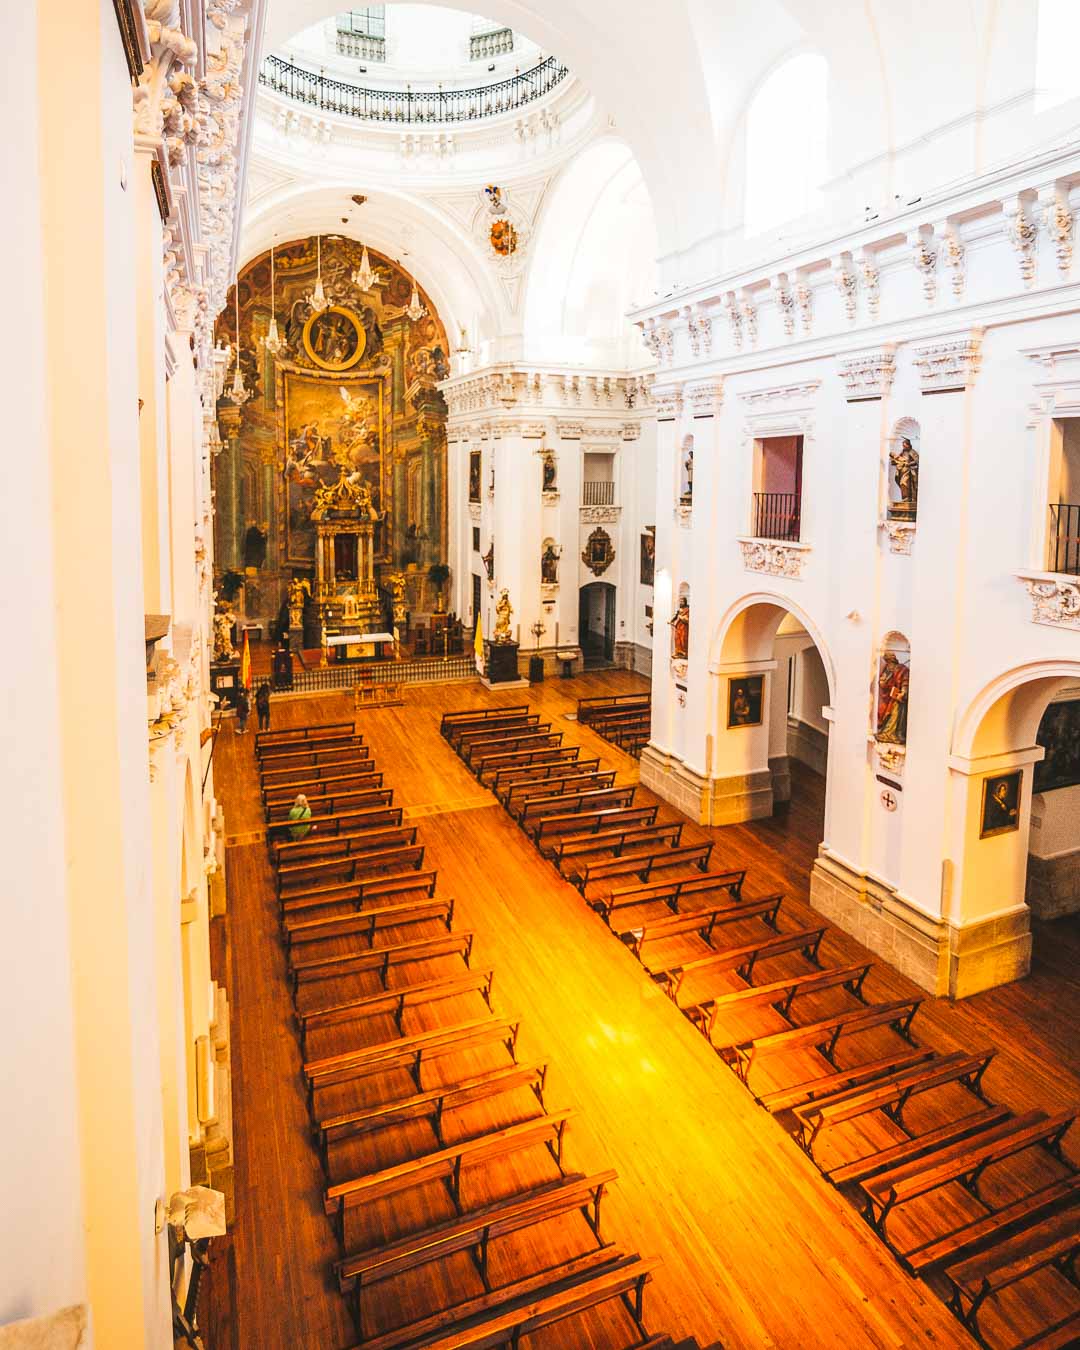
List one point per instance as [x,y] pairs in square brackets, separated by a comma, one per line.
[230,584]
[440,575]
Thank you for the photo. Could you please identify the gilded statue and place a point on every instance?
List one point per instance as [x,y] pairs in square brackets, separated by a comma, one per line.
[299,590]
[503,610]
[892,699]
[905,464]
[223,643]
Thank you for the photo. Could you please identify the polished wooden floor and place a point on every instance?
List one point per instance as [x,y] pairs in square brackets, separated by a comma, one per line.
[757,1248]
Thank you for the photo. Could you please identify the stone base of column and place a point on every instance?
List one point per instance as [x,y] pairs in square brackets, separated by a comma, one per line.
[780,768]
[709,801]
[938,956]
[1053,885]
[633,656]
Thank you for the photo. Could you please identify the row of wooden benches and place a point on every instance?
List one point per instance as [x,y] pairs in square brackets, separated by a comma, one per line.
[369,907]
[623,719]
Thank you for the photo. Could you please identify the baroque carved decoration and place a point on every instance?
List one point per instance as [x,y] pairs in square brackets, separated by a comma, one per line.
[890,757]
[684,514]
[925,257]
[734,314]
[705,399]
[781,393]
[949,365]
[785,304]
[1023,230]
[1055,600]
[804,300]
[748,310]
[900,534]
[599,552]
[1059,226]
[847,283]
[870,276]
[777,559]
[669,403]
[600,515]
[868,375]
[954,256]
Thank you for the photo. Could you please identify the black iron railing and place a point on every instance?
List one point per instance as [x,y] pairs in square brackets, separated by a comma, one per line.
[1064,547]
[597,494]
[410,106]
[345,675]
[776,515]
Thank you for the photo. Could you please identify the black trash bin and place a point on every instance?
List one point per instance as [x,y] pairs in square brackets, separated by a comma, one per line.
[536,669]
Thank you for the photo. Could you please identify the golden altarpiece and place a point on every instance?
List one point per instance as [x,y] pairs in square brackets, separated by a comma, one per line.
[332,471]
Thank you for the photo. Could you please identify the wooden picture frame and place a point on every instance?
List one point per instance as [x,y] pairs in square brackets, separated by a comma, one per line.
[746,701]
[1059,735]
[1000,813]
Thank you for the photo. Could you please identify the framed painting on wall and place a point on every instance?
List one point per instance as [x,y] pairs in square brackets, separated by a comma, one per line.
[1001,803]
[1059,734]
[648,557]
[745,700]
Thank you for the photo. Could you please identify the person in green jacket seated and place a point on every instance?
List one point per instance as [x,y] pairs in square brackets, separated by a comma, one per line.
[300,812]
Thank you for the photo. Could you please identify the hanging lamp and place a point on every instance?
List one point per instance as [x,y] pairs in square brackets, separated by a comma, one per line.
[365,275]
[272,341]
[238,394]
[415,309]
[318,299]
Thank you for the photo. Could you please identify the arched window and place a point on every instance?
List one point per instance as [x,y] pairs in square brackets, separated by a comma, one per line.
[1057,39]
[786,130]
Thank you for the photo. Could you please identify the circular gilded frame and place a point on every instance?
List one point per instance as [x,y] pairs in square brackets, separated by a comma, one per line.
[349,318]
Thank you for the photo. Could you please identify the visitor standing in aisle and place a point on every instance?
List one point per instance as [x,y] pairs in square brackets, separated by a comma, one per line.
[262,705]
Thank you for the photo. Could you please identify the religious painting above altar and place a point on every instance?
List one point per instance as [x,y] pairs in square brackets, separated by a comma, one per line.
[345,390]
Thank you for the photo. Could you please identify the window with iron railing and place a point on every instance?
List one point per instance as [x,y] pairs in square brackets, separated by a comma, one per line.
[598,494]
[776,515]
[1064,542]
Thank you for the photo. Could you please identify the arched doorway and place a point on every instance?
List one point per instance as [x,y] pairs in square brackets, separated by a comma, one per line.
[1015,815]
[596,624]
[773,695]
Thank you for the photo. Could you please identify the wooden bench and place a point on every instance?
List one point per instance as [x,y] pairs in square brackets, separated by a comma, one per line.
[822,1036]
[779,994]
[964,1162]
[494,761]
[474,1234]
[291,735]
[278,832]
[394,1002]
[430,1105]
[382,960]
[587,707]
[671,892]
[359,762]
[573,1287]
[741,960]
[538,738]
[301,755]
[642,863]
[1053,1241]
[409,1053]
[284,794]
[698,922]
[858,1169]
[297,878]
[570,803]
[608,724]
[613,841]
[533,773]
[573,782]
[334,804]
[787,1098]
[447,1164]
[579,823]
[464,716]
[365,922]
[891,1096]
[463,737]
[330,844]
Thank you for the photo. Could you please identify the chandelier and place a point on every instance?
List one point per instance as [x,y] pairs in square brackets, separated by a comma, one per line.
[272,341]
[238,394]
[415,309]
[365,275]
[317,299]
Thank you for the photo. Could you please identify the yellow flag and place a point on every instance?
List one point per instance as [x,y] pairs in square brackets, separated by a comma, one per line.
[478,642]
[245,664]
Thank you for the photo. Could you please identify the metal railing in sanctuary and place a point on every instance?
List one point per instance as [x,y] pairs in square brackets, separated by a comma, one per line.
[776,515]
[344,675]
[1064,538]
[410,106]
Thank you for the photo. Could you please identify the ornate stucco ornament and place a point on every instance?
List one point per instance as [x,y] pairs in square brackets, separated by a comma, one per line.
[1022,227]
[925,257]
[868,375]
[1055,599]
[777,559]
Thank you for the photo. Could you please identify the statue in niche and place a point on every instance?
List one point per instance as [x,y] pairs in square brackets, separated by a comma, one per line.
[503,610]
[686,496]
[680,630]
[549,566]
[223,630]
[299,590]
[489,562]
[549,472]
[905,464]
[892,699]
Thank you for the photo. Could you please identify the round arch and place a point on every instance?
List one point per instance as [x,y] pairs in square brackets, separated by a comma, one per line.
[751,623]
[1005,714]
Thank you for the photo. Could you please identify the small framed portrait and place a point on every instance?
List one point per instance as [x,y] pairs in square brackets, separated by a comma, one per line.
[744,700]
[648,557]
[1001,803]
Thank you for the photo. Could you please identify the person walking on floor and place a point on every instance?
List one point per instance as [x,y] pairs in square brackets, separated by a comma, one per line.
[243,708]
[300,813]
[262,705]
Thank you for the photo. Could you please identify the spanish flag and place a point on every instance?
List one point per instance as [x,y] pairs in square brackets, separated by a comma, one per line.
[245,664]
[478,645]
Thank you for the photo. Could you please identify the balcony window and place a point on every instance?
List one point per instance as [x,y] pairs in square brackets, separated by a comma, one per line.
[597,494]
[598,480]
[1063,526]
[777,501]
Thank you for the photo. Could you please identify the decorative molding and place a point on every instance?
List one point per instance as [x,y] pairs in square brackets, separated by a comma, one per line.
[1022,229]
[631,431]
[678,671]
[890,757]
[804,301]
[699,332]
[925,257]
[705,399]
[669,403]
[748,311]
[684,515]
[532,431]
[954,255]
[869,375]
[778,559]
[900,534]
[870,276]
[598,566]
[475,511]
[1055,599]
[1059,225]
[550,497]
[569,431]
[781,393]
[734,314]
[785,303]
[600,515]
[945,366]
[847,283]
